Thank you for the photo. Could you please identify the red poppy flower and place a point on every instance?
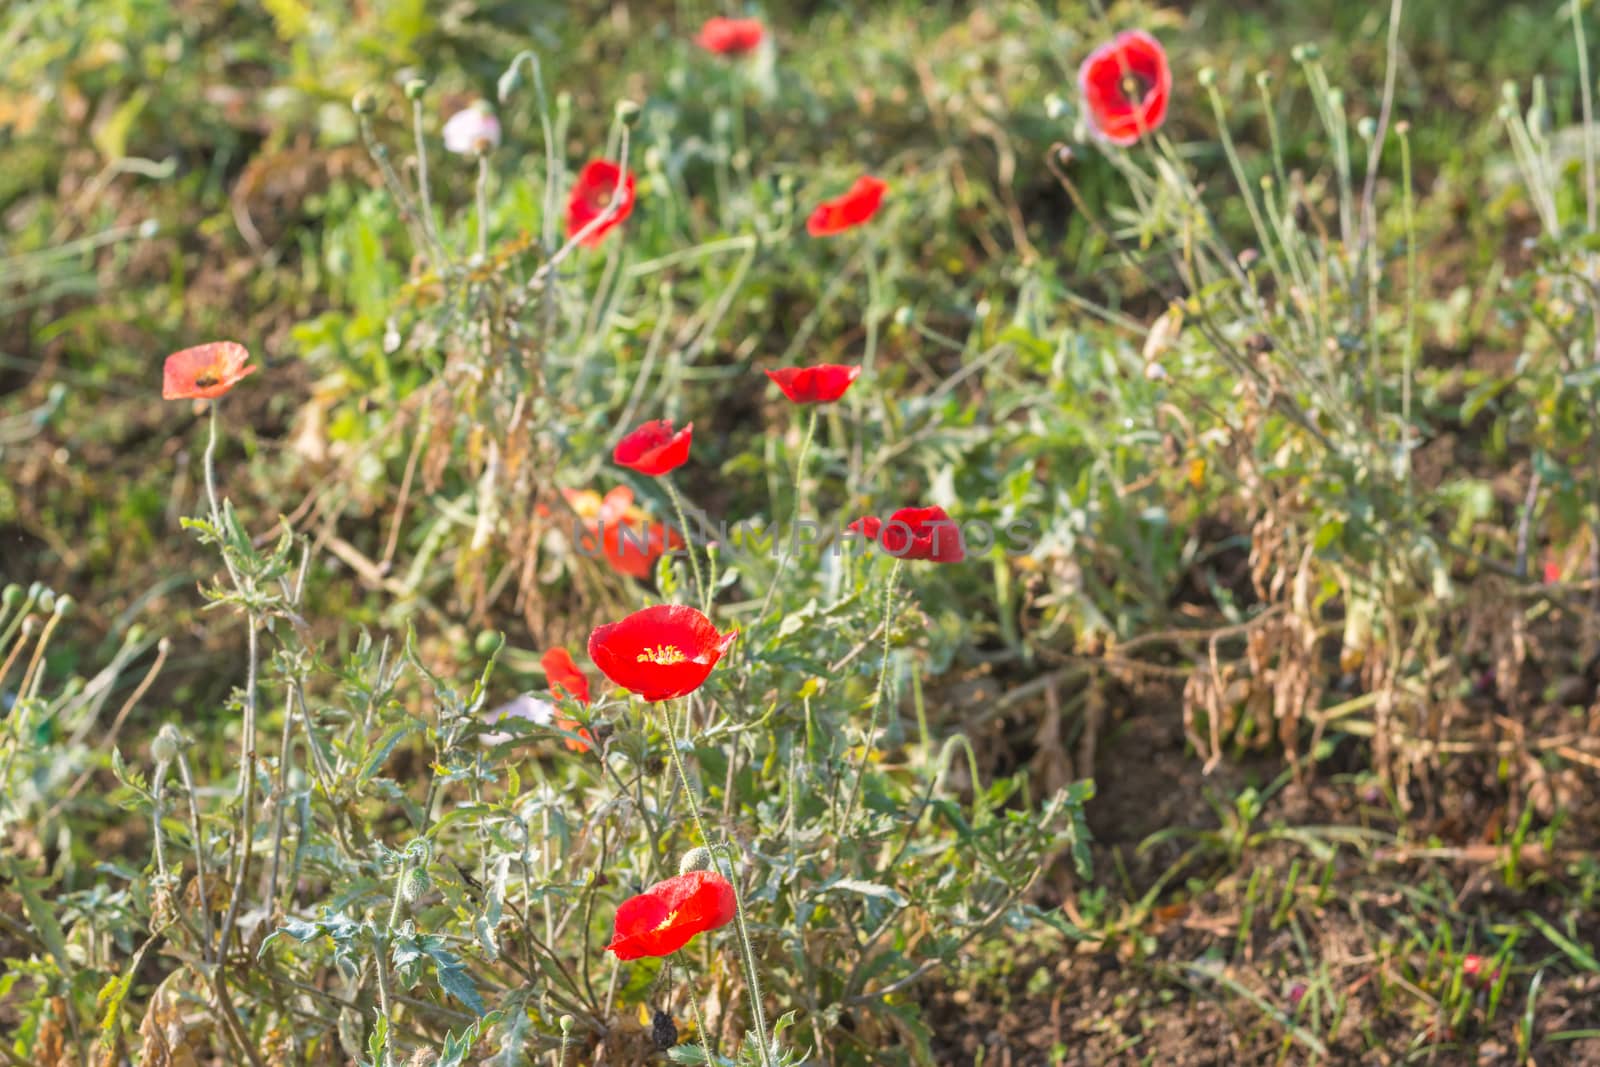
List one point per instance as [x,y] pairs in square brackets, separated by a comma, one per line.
[661,652]
[665,917]
[1125,85]
[624,534]
[564,676]
[730,37]
[848,211]
[814,385]
[204,372]
[915,533]
[654,448]
[591,198]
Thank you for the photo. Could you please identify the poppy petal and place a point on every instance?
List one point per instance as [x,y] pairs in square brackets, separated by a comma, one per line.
[849,210]
[660,652]
[1126,84]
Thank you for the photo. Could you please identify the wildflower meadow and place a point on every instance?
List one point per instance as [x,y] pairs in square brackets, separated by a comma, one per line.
[625,532]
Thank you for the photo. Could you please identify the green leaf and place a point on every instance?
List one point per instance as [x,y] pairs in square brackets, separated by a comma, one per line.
[453,977]
[869,889]
[1575,952]
[40,917]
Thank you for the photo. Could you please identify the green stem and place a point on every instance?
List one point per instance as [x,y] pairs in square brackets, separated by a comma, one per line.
[799,511]
[878,702]
[701,592]
[747,954]
[700,1026]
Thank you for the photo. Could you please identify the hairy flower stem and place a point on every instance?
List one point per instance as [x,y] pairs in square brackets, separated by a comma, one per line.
[247,789]
[878,701]
[701,591]
[700,1026]
[799,512]
[199,850]
[483,205]
[747,954]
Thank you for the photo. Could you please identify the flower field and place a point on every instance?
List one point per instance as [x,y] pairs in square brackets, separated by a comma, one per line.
[634,532]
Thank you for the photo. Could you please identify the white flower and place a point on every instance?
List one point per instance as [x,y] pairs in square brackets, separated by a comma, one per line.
[473,130]
[538,712]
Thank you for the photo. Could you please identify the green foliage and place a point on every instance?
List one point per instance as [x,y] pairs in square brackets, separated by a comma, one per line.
[1189,387]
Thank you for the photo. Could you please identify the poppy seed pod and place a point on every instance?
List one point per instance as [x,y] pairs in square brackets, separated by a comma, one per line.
[696,859]
[663,1031]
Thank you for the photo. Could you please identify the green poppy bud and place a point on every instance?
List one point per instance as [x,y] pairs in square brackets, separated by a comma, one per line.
[414,883]
[696,859]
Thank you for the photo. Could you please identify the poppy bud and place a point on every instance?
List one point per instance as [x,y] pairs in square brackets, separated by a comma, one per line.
[565,1022]
[1207,77]
[1367,128]
[696,859]
[627,111]
[510,81]
[413,884]
[47,600]
[64,605]
[654,766]
[663,1031]
[415,87]
[1402,128]
[1264,79]
[168,743]
[1508,92]
[363,103]
[11,597]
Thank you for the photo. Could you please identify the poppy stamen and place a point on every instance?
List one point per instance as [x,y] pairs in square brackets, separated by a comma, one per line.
[672,917]
[1134,88]
[662,655]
